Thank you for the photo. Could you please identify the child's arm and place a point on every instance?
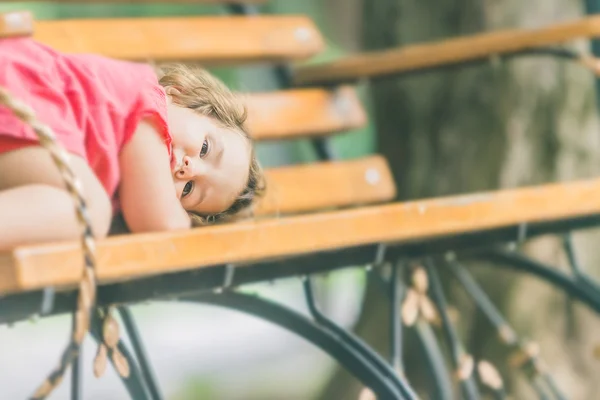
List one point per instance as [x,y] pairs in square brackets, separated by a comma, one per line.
[147,194]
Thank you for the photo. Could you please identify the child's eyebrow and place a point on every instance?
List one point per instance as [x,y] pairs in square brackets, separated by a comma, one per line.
[219,154]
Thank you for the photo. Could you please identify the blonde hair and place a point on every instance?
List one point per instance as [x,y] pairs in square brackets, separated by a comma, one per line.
[208,96]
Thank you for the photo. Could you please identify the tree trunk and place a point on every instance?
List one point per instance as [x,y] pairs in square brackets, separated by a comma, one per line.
[495,125]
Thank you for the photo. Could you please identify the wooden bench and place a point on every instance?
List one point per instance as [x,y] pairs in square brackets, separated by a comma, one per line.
[316,217]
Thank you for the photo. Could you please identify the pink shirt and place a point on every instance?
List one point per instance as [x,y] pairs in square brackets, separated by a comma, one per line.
[92,103]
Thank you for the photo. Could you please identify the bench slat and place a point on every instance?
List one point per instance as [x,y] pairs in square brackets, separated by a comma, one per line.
[18,23]
[126,257]
[213,40]
[451,51]
[318,186]
[304,113]
[158,1]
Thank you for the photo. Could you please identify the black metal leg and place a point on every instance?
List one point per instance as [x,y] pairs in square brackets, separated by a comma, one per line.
[468,386]
[540,390]
[578,272]
[140,352]
[441,383]
[242,9]
[396,290]
[593,7]
[505,331]
[324,149]
[348,357]
[569,303]
[441,388]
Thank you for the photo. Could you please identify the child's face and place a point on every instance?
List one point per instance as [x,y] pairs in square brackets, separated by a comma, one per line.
[210,164]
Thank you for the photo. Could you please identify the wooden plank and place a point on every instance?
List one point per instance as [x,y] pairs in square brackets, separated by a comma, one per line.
[212,40]
[129,256]
[318,187]
[154,1]
[303,113]
[296,189]
[445,52]
[17,23]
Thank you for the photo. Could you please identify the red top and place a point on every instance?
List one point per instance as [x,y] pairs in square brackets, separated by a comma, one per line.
[93,104]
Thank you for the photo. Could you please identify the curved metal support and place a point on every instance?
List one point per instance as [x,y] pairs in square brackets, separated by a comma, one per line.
[540,389]
[506,333]
[576,287]
[348,357]
[140,352]
[442,384]
[468,387]
[519,262]
[578,272]
[569,249]
[350,340]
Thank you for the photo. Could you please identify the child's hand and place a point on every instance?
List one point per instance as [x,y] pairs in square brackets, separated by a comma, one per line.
[146,193]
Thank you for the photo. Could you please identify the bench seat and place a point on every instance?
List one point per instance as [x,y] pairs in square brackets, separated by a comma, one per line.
[128,257]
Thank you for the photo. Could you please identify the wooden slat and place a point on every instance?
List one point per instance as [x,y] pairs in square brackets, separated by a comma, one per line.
[292,114]
[212,40]
[445,52]
[126,257]
[18,23]
[318,186]
[155,1]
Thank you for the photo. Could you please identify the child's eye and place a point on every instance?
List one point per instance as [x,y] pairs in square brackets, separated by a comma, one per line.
[186,189]
[204,149]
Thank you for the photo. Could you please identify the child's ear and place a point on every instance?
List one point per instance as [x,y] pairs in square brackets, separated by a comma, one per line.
[170,90]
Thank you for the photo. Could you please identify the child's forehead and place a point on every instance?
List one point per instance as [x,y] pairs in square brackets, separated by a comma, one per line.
[239,134]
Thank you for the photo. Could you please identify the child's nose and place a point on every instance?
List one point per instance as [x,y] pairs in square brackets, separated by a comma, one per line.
[187,168]
[191,168]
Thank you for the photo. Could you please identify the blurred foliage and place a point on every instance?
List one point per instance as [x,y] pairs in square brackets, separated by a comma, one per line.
[196,388]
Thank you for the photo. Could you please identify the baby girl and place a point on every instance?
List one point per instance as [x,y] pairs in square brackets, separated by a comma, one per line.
[167,149]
